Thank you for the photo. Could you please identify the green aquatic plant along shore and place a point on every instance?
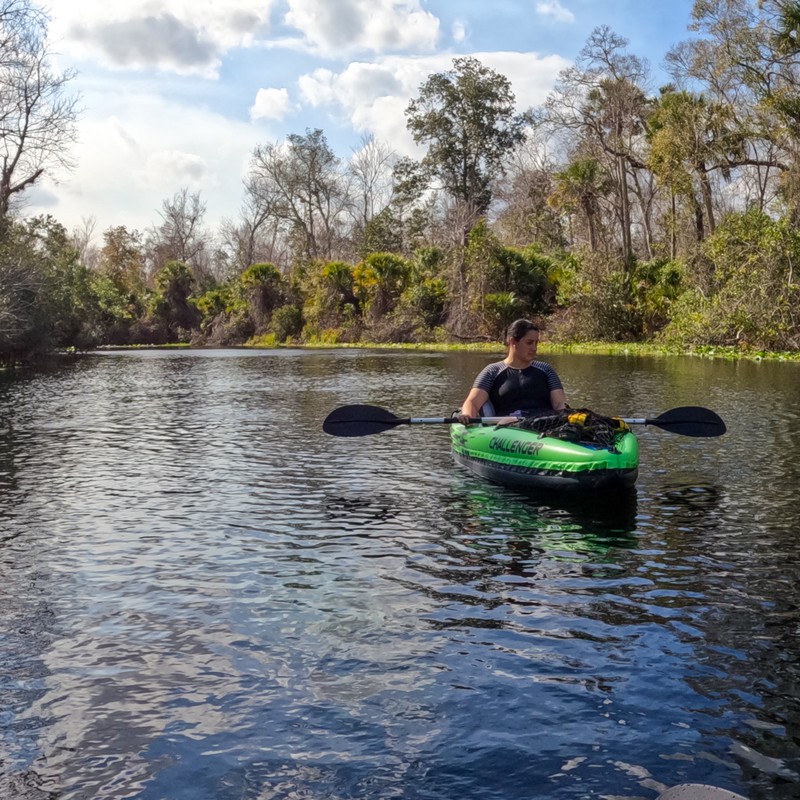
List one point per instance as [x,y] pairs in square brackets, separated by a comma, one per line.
[625,349]
[587,348]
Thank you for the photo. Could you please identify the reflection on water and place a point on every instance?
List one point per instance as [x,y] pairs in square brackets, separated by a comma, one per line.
[204,597]
[357,511]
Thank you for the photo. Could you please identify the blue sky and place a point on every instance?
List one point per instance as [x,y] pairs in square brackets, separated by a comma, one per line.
[177,93]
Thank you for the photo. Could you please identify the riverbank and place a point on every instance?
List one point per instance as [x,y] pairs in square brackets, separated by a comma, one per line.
[578,348]
[589,348]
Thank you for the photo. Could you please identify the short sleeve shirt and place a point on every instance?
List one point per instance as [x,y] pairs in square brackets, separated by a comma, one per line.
[513,389]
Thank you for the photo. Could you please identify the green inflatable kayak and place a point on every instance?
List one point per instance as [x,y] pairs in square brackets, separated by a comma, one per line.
[571,450]
[574,453]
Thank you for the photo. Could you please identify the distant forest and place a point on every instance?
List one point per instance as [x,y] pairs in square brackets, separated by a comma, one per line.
[612,212]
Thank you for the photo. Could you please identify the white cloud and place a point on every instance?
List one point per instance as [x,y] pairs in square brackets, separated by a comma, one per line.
[554,9]
[359,79]
[374,96]
[270,104]
[317,87]
[532,76]
[182,36]
[176,168]
[347,26]
[131,158]
[459,30]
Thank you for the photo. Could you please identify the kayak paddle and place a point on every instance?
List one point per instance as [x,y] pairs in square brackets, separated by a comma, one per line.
[686,420]
[361,420]
[364,420]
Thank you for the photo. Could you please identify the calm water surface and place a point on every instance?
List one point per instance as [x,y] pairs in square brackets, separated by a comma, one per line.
[206,598]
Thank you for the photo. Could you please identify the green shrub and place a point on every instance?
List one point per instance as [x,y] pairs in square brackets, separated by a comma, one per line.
[287,321]
[752,298]
[427,300]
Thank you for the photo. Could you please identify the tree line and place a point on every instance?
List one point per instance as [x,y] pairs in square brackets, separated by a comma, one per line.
[612,211]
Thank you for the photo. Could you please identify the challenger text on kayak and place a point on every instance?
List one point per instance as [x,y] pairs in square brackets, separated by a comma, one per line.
[506,446]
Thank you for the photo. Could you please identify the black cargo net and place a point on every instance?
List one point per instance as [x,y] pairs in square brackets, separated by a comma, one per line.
[580,425]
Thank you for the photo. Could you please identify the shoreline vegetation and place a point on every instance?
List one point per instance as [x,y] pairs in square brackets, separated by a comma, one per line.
[623,220]
[631,349]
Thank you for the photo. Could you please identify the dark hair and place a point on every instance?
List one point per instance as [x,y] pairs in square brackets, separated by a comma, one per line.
[518,328]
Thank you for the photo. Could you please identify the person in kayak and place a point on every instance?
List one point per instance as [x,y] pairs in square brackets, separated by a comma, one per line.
[518,385]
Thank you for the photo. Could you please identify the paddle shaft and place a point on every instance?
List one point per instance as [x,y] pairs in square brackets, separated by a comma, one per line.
[495,420]
[449,420]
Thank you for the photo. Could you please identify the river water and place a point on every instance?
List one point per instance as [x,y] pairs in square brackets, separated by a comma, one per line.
[204,597]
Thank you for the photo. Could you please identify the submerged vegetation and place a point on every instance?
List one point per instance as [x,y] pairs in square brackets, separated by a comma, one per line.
[666,222]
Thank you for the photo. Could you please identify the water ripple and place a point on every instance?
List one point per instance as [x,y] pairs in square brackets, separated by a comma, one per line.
[207,598]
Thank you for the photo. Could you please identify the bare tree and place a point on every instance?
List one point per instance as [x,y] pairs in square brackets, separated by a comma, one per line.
[300,182]
[37,116]
[371,169]
[180,236]
[256,237]
[521,212]
[600,104]
[81,239]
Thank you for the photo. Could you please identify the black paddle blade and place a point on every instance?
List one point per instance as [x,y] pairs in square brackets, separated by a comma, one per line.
[359,420]
[690,421]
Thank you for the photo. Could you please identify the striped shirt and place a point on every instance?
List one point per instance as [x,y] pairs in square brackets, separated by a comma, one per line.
[512,389]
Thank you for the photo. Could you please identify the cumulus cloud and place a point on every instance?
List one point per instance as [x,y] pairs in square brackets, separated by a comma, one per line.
[270,104]
[317,87]
[177,168]
[532,76]
[374,96]
[554,9]
[130,162]
[348,26]
[182,36]
[164,41]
